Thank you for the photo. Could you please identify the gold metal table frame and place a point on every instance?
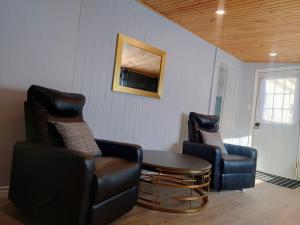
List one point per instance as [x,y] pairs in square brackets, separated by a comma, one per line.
[195,182]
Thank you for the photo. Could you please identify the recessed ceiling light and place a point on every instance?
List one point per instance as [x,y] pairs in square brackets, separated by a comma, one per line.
[273,54]
[220,12]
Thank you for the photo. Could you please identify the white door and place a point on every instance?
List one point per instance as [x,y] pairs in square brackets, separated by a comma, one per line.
[225,100]
[276,126]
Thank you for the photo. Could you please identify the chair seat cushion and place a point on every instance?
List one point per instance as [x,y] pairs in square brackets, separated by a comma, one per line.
[236,164]
[113,176]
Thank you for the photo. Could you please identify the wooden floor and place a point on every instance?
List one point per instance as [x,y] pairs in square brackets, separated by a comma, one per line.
[264,205]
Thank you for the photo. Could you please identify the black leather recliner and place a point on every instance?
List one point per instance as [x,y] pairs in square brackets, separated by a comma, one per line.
[54,185]
[233,171]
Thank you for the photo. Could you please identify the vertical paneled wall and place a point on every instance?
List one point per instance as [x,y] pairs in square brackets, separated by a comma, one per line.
[70,45]
[153,123]
[37,46]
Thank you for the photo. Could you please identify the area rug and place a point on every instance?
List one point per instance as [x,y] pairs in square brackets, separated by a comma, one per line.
[277,180]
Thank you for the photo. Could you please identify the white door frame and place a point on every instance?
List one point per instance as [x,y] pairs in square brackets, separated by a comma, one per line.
[213,95]
[226,66]
[254,104]
[213,90]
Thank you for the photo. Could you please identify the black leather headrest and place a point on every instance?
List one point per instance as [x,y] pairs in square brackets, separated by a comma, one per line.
[56,102]
[206,122]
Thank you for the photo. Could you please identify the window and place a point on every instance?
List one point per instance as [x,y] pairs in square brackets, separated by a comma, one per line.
[278,101]
[220,90]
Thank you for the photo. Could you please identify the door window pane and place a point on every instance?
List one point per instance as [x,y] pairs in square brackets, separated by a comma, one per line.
[287,116]
[276,115]
[288,101]
[270,85]
[290,86]
[267,115]
[279,99]
[268,101]
[279,86]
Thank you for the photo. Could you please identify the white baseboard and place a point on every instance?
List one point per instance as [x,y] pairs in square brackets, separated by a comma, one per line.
[4,188]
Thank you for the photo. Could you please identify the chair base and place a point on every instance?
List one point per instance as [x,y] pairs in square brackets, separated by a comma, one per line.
[113,208]
[237,181]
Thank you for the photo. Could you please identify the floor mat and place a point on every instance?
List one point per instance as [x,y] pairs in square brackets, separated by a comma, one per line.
[277,180]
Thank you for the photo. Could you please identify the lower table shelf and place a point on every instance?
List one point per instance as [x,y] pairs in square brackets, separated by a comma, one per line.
[161,190]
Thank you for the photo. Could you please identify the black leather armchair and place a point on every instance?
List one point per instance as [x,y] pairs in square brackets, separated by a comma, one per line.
[54,185]
[232,171]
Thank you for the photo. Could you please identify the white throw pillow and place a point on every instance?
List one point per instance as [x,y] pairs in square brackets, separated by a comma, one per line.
[213,138]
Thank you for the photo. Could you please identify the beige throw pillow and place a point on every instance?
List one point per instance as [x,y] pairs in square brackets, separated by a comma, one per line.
[77,136]
[213,138]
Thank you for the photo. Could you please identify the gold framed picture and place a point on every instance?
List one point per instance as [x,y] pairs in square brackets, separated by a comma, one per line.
[139,68]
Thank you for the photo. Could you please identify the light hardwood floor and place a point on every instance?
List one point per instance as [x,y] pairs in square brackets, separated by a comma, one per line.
[264,205]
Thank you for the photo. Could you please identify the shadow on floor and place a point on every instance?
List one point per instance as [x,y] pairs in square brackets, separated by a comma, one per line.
[9,215]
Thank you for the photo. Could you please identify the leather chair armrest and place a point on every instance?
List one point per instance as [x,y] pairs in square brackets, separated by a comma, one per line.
[246,152]
[51,185]
[122,150]
[241,150]
[208,152]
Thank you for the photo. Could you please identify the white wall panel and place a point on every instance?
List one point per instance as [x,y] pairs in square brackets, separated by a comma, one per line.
[152,123]
[70,45]
[37,46]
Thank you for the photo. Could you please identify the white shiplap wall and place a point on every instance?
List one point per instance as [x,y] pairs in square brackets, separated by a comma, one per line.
[37,46]
[70,45]
[152,123]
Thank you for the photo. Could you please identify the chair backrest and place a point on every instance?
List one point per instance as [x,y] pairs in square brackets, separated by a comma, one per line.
[44,106]
[198,122]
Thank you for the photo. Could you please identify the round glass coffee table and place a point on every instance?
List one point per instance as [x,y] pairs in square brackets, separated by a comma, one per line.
[166,175]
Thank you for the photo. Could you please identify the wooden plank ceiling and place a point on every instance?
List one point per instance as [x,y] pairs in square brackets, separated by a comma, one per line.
[249,30]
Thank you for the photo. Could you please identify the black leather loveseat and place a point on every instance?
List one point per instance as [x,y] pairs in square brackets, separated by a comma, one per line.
[53,185]
[233,171]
